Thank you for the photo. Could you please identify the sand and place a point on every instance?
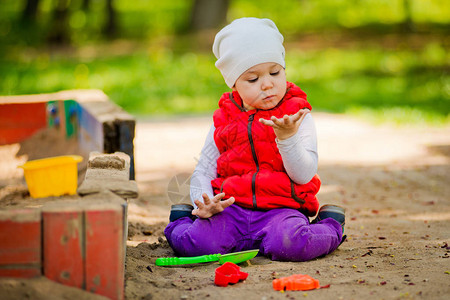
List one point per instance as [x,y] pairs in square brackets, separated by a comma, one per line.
[393,182]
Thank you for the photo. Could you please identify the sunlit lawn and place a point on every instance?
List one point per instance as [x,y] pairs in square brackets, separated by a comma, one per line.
[382,85]
[403,84]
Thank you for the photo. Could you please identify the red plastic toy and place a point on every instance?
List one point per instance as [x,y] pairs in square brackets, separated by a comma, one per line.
[296,282]
[229,273]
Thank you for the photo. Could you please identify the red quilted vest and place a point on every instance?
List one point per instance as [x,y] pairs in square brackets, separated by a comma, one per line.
[250,167]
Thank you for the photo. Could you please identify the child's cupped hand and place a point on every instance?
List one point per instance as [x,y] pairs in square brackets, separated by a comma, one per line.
[286,126]
[210,207]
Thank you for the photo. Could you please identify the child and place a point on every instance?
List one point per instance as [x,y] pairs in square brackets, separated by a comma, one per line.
[255,184]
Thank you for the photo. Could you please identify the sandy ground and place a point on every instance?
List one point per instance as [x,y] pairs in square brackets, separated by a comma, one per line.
[394,183]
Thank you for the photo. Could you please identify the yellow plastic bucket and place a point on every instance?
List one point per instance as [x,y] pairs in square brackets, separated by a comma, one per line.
[53,176]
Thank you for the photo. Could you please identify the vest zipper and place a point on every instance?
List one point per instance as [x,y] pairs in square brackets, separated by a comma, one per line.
[255,158]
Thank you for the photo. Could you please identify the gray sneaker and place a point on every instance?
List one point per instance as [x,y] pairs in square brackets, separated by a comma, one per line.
[331,211]
[335,212]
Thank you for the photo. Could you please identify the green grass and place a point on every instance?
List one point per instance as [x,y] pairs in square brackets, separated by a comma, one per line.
[395,86]
[401,86]
[151,71]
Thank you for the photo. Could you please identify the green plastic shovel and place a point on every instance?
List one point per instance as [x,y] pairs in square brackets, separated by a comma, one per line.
[235,257]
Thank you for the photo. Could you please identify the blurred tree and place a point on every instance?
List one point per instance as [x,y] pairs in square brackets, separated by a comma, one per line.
[110,28]
[59,32]
[407,24]
[30,10]
[86,4]
[208,14]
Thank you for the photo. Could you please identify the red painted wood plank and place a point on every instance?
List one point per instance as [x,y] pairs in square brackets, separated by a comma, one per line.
[63,244]
[104,250]
[20,243]
[19,121]
[20,271]
[20,236]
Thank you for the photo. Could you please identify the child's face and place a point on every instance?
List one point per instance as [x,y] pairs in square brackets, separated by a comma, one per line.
[262,86]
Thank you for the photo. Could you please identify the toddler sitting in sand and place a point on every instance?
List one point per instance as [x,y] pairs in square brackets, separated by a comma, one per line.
[255,184]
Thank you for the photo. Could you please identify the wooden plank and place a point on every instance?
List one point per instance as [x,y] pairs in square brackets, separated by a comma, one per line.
[20,121]
[20,243]
[126,144]
[104,250]
[63,245]
[18,271]
[90,131]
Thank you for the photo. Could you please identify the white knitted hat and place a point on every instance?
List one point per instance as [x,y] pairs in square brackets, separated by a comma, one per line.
[245,43]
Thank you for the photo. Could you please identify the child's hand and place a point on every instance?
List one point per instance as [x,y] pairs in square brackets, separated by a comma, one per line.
[212,206]
[286,126]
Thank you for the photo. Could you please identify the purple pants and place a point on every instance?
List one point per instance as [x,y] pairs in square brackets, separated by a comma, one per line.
[282,234]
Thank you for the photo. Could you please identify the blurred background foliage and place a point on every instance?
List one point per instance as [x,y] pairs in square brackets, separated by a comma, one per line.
[385,60]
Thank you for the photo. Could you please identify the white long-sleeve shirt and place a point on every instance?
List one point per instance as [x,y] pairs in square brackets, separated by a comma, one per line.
[299,154]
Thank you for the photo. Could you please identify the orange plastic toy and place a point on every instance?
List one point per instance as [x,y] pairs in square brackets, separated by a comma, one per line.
[296,282]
